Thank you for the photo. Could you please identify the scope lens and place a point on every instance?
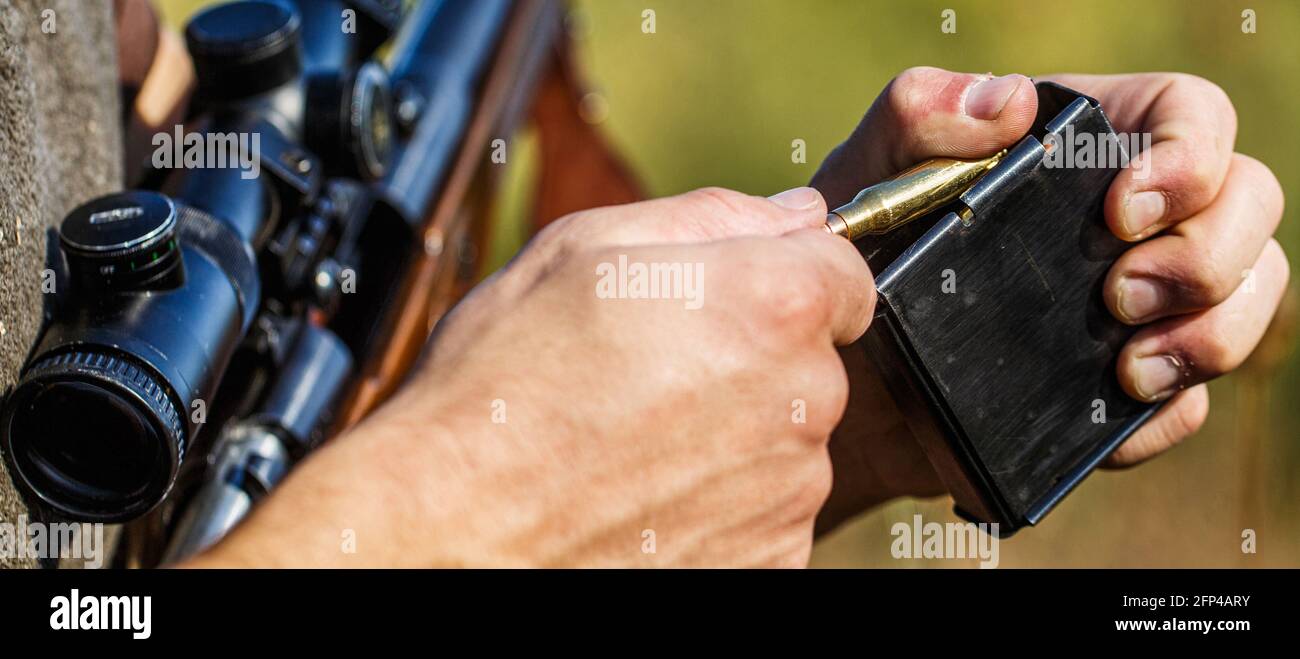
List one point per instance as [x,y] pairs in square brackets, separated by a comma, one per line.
[87,449]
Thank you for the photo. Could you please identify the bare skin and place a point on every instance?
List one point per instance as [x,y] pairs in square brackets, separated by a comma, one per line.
[624,417]
[620,416]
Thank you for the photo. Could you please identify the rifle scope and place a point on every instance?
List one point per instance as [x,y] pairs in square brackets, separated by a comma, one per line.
[157,293]
[99,423]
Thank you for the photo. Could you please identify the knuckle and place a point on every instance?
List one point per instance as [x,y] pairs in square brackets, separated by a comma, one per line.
[833,380]
[813,488]
[1216,353]
[909,93]
[820,490]
[1268,190]
[719,201]
[1212,94]
[793,301]
[565,226]
[824,386]
[1205,280]
[823,481]
[1273,251]
[1195,176]
[559,239]
[546,239]
[1253,168]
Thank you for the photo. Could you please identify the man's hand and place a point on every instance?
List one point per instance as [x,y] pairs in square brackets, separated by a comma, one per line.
[550,425]
[1212,213]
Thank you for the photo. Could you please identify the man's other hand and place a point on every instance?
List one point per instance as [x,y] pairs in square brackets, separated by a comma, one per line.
[1203,284]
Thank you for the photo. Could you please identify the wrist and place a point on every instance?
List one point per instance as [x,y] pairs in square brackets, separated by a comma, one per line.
[399,489]
[447,469]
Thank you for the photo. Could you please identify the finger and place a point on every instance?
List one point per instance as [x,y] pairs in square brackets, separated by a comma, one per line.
[1185,350]
[1178,419]
[925,113]
[1198,263]
[1193,127]
[842,277]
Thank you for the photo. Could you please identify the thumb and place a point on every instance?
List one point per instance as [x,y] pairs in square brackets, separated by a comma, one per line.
[927,113]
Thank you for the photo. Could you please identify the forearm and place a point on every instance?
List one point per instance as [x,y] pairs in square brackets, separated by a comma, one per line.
[390,492]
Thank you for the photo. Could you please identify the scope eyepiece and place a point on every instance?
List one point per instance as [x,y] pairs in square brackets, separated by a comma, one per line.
[352,123]
[160,296]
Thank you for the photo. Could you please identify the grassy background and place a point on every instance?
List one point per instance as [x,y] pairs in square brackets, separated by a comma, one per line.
[718,93]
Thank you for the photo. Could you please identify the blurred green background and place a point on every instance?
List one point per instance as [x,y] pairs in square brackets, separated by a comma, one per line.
[716,95]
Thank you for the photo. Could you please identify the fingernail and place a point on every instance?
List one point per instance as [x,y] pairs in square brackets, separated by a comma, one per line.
[1158,377]
[986,99]
[797,199]
[1140,298]
[1142,211]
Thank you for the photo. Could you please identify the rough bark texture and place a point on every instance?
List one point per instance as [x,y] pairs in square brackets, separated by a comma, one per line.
[60,144]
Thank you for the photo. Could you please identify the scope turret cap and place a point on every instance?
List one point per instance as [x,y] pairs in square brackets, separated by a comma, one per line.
[121,241]
[241,49]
